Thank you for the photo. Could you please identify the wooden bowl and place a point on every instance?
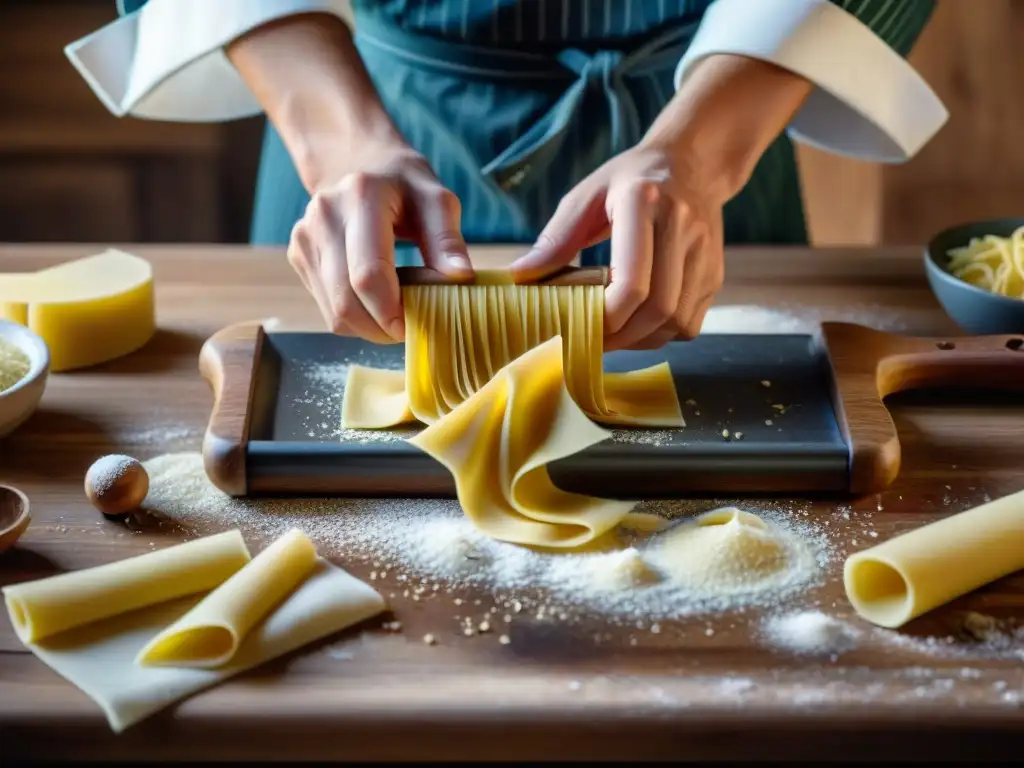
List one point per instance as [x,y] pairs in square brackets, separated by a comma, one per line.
[20,401]
[974,309]
[14,517]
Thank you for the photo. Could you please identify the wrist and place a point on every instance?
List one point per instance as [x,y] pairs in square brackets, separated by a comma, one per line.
[308,76]
[723,118]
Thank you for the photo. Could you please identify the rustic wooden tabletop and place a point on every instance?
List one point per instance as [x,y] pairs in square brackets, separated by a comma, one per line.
[701,688]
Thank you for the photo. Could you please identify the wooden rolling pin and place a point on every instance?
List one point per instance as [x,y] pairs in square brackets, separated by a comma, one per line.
[564,277]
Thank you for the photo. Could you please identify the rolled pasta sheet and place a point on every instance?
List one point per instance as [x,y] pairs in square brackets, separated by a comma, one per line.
[209,635]
[39,609]
[911,574]
[498,443]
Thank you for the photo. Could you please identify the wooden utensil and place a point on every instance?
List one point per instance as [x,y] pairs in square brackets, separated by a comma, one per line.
[14,516]
[564,277]
[837,437]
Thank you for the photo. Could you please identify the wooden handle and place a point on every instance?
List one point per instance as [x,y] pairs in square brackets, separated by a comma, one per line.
[869,365]
[228,361]
[564,277]
[983,362]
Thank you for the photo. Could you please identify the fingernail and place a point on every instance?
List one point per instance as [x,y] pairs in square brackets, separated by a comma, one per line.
[397,328]
[458,262]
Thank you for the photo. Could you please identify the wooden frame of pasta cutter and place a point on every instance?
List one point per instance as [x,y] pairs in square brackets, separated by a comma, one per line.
[788,413]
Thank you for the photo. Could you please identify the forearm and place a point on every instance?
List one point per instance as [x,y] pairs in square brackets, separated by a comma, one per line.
[307,74]
[726,115]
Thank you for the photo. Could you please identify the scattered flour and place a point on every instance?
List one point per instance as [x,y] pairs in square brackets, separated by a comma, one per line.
[14,364]
[810,633]
[813,633]
[791,319]
[432,542]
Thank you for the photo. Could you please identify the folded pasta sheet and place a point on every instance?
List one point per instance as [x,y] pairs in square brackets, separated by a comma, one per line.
[459,337]
[100,655]
[39,609]
[209,634]
[497,445]
[909,575]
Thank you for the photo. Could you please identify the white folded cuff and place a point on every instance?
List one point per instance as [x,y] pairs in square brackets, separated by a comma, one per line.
[868,102]
[166,61]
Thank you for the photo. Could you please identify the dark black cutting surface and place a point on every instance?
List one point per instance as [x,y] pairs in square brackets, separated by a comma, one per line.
[296,421]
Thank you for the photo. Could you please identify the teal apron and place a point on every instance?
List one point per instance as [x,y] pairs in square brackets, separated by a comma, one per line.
[515,102]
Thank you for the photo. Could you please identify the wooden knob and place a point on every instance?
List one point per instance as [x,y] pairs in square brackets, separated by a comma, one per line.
[116,484]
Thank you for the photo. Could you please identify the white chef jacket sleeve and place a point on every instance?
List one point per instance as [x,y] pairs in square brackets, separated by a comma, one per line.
[868,102]
[166,60]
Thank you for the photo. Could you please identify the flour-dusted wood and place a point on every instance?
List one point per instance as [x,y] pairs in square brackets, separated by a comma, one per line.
[559,689]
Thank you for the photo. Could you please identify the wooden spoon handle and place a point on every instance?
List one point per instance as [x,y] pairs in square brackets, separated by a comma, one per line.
[564,277]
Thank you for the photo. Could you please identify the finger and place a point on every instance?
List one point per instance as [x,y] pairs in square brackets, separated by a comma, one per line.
[632,222]
[691,330]
[369,220]
[300,253]
[696,288]
[439,214]
[345,313]
[656,340]
[670,246]
[579,221]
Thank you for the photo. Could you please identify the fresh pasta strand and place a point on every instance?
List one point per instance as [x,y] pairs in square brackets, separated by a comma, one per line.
[459,337]
[992,263]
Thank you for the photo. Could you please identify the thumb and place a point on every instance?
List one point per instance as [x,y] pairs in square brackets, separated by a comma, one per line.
[579,221]
[440,232]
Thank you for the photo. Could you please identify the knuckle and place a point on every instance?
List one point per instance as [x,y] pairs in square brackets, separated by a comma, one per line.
[357,186]
[635,294]
[446,200]
[366,275]
[338,325]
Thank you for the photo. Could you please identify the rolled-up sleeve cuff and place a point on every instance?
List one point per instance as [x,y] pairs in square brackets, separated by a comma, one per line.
[868,102]
[166,61]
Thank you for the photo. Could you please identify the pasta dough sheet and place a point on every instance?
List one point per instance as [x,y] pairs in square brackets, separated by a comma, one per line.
[909,575]
[497,445]
[99,655]
[39,609]
[459,337]
[209,634]
[100,658]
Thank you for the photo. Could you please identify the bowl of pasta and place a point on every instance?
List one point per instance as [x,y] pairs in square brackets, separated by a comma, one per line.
[977,273]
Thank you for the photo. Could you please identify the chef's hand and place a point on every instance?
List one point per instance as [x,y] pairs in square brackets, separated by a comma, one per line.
[661,201]
[666,244]
[366,186]
[344,246]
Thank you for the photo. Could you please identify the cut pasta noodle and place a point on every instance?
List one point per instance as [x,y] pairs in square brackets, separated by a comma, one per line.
[991,262]
[459,337]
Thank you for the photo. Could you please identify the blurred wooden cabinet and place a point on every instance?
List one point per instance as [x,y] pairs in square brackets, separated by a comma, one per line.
[971,56]
[70,171]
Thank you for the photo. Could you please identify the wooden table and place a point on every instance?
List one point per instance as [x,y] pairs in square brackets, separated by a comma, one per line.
[554,691]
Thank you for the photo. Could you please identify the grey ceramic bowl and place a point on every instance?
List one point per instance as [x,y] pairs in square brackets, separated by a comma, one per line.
[974,309]
[20,401]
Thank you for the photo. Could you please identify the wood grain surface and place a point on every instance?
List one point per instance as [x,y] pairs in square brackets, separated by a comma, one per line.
[700,688]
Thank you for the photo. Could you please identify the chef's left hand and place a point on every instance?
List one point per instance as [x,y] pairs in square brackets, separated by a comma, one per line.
[666,244]
[661,201]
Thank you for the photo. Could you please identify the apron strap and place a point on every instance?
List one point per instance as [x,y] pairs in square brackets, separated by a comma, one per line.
[588,76]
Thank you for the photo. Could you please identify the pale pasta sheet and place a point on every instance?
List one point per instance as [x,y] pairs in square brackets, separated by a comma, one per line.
[116,612]
[498,443]
[993,263]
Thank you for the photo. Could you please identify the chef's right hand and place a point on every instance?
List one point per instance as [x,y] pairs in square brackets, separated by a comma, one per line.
[343,248]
